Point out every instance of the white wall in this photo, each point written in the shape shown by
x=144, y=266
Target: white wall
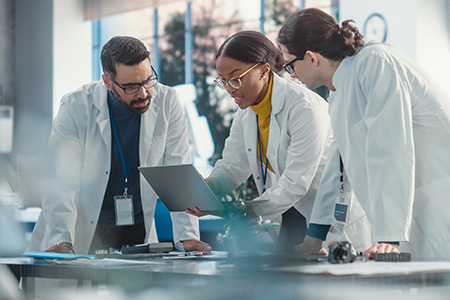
x=417, y=27
x=433, y=39
x=72, y=49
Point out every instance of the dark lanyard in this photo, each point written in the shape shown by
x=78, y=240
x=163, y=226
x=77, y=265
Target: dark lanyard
x=263, y=170
x=126, y=171
x=341, y=168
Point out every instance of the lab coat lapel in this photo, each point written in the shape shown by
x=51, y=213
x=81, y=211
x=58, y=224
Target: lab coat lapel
x=250, y=134
x=274, y=131
x=148, y=124
x=100, y=100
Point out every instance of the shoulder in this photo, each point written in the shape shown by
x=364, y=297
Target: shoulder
x=164, y=92
x=86, y=94
x=374, y=53
x=292, y=94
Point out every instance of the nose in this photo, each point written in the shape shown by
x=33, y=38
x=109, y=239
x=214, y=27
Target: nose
x=143, y=92
x=230, y=89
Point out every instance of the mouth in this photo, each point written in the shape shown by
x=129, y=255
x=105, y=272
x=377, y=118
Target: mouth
x=237, y=99
x=140, y=104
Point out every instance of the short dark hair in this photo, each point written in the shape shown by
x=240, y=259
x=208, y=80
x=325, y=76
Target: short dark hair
x=125, y=50
x=313, y=29
x=252, y=47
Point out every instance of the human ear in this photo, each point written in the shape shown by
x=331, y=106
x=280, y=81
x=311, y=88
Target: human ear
x=265, y=70
x=313, y=57
x=107, y=81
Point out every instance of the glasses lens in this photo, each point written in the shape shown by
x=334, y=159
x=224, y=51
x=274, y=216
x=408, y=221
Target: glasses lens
x=289, y=69
x=151, y=83
x=131, y=89
x=219, y=83
x=235, y=82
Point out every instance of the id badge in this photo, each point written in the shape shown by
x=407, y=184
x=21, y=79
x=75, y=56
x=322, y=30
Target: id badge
x=124, y=210
x=342, y=206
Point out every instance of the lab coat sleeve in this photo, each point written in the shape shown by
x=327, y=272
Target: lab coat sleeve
x=233, y=169
x=310, y=132
x=185, y=226
x=389, y=147
x=323, y=209
x=64, y=162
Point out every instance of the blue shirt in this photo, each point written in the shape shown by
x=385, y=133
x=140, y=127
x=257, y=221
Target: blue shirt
x=127, y=124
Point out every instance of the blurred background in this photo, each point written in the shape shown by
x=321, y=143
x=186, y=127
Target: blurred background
x=51, y=47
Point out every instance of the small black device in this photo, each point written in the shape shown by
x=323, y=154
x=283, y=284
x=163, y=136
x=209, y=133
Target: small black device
x=341, y=252
x=393, y=257
x=148, y=248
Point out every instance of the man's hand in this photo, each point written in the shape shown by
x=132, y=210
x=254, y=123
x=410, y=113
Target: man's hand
x=195, y=245
x=196, y=212
x=380, y=248
x=61, y=248
x=311, y=246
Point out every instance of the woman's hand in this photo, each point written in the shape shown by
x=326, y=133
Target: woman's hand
x=196, y=212
x=311, y=246
x=380, y=248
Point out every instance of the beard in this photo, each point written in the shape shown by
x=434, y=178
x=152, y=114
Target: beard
x=130, y=106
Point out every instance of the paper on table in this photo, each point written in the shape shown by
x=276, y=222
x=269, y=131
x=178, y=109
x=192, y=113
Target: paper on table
x=370, y=268
x=54, y=255
x=104, y=262
x=195, y=255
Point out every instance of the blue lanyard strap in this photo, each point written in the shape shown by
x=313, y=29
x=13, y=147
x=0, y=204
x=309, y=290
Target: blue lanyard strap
x=125, y=169
x=263, y=170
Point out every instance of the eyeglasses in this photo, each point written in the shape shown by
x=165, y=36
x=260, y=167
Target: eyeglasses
x=234, y=82
x=135, y=87
x=288, y=66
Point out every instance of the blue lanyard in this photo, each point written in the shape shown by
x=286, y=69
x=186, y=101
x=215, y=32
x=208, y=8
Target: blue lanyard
x=263, y=170
x=125, y=170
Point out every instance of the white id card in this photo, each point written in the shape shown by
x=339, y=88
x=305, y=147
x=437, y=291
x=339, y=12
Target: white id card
x=341, y=206
x=124, y=210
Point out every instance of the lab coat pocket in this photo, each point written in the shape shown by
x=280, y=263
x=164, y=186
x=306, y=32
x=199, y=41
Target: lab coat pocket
x=431, y=212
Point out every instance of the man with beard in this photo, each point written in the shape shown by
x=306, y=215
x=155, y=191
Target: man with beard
x=102, y=133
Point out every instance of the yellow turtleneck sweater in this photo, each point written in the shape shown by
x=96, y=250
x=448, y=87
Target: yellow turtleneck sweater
x=262, y=110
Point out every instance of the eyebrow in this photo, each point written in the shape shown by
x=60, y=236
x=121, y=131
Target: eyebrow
x=133, y=83
x=229, y=73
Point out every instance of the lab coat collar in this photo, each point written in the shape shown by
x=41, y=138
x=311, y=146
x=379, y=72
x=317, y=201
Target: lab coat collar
x=148, y=120
x=278, y=101
x=148, y=124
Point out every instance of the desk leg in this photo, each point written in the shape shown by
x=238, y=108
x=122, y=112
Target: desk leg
x=29, y=287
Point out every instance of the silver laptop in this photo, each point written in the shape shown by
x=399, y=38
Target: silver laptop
x=180, y=187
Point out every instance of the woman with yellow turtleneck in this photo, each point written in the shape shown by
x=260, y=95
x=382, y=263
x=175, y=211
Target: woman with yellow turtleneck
x=280, y=134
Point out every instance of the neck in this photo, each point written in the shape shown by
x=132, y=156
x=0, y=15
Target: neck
x=264, y=90
x=332, y=67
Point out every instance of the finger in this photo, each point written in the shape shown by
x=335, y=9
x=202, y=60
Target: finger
x=381, y=248
x=370, y=251
x=392, y=249
x=205, y=247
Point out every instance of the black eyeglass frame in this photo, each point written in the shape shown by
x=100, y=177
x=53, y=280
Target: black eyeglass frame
x=288, y=66
x=152, y=80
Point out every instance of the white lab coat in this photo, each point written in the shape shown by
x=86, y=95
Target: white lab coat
x=80, y=144
x=391, y=122
x=299, y=136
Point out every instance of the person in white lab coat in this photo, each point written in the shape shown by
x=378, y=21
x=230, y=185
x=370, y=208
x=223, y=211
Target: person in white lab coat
x=391, y=123
x=102, y=133
x=280, y=134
